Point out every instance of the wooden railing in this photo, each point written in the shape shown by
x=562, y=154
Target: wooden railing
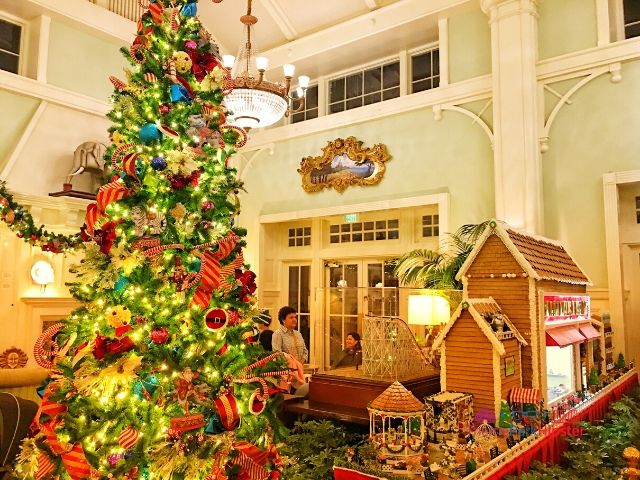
x=130, y=9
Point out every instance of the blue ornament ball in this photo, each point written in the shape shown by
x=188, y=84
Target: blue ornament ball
x=195, y=265
x=121, y=284
x=189, y=9
x=158, y=164
x=149, y=133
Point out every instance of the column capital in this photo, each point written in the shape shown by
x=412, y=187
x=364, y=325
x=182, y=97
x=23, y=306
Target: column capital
x=490, y=7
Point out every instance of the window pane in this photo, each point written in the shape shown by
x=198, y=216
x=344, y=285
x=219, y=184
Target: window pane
x=392, y=223
x=294, y=273
x=381, y=224
x=631, y=11
x=292, y=232
x=436, y=231
x=299, y=232
x=372, y=80
x=357, y=227
x=632, y=31
x=345, y=227
x=436, y=219
x=435, y=62
x=357, y=237
x=305, y=273
x=297, y=117
x=10, y=37
x=368, y=225
x=334, y=239
x=368, y=236
x=307, y=241
x=372, y=98
x=427, y=219
x=419, y=67
x=436, y=82
x=8, y=62
x=381, y=235
x=311, y=114
x=354, y=86
x=312, y=98
x=345, y=238
x=336, y=107
x=393, y=235
x=391, y=75
x=426, y=232
x=421, y=86
x=292, y=242
x=298, y=242
x=336, y=90
x=354, y=103
x=389, y=94
x=637, y=202
x=307, y=230
x=334, y=228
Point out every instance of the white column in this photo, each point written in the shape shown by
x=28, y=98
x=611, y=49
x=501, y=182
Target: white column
x=443, y=46
x=518, y=189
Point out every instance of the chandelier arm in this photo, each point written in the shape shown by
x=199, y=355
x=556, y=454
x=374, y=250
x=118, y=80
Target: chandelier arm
x=300, y=107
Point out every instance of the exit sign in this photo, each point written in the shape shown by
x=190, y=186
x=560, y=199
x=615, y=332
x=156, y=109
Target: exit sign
x=351, y=218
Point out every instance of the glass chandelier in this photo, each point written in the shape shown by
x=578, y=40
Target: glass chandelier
x=255, y=101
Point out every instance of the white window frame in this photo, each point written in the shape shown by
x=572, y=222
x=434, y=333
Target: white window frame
x=418, y=51
x=8, y=18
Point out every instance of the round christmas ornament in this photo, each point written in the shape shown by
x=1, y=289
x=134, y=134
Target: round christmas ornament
x=9, y=216
x=158, y=164
x=3, y=201
x=183, y=61
x=149, y=133
x=228, y=410
x=216, y=318
x=165, y=108
x=257, y=406
x=128, y=438
x=159, y=336
x=208, y=205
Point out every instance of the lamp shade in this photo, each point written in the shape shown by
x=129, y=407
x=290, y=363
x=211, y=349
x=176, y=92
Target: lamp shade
x=428, y=310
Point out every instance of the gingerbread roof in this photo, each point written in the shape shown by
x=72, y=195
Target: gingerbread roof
x=396, y=398
x=541, y=258
x=480, y=308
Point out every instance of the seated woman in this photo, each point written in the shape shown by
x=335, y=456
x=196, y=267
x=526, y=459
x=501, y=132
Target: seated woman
x=351, y=356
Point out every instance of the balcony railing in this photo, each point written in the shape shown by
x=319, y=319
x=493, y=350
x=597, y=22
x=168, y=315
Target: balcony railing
x=130, y=9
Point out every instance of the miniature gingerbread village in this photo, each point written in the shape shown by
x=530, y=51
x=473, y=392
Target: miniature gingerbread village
x=520, y=352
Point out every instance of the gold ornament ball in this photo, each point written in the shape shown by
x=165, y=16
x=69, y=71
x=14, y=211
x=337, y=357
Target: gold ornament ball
x=183, y=61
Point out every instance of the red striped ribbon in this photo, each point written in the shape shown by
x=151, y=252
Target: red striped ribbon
x=76, y=463
x=210, y=270
x=229, y=270
x=251, y=460
x=137, y=49
x=45, y=466
x=153, y=251
x=91, y=216
x=155, y=9
x=110, y=192
x=129, y=164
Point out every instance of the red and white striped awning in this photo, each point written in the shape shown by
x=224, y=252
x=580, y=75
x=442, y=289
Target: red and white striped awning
x=524, y=395
x=563, y=336
x=588, y=331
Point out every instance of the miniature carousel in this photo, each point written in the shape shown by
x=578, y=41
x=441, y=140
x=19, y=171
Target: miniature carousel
x=396, y=425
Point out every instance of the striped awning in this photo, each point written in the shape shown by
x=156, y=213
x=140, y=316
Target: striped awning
x=588, y=331
x=524, y=395
x=563, y=336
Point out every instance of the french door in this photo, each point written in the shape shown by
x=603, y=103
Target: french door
x=353, y=289
x=299, y=297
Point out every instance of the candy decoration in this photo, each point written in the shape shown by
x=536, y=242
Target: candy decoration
x=228, y=410
x=216, y=318
x=43, y=357
x=175, y=20
x=128, y=438
x=150, y=77
x=117, y=83
x=242, y=140
x=137, y=53
x=115, y=156
x=169, y=132
x=257, y=406
x=45, y=466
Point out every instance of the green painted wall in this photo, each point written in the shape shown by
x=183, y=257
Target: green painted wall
x=82, y=62
x=428, y=156
x=469, y=46
x=566, y=26
x=19, y=110
x=596, y=134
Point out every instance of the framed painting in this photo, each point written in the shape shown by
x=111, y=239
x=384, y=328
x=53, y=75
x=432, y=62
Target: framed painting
x=343, y=162
x=509, y=366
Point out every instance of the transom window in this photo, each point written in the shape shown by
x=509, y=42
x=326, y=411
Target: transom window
x=631, y=18
x=425, y=70
x=365, y=87
x=310, y=106
x=300, y=237
x=364, y=231
x=10, y=36
x=638, y=210
x=430, y=225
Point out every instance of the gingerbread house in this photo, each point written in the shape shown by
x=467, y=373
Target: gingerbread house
x=481, y=354
x=542, y=290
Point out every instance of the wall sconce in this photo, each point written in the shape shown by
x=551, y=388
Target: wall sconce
x=42, y=274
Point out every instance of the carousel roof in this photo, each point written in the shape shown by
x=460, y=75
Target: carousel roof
x=398, y=399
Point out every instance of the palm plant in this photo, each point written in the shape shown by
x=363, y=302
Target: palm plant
x=437, y=270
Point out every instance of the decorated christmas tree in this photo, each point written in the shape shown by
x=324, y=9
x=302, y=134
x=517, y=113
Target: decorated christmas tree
x=505, y=420
x=157, y=375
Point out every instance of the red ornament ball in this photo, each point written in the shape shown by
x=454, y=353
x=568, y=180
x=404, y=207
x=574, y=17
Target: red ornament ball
x=128, y=437
x=159, y=336
x=165, y=108
x=208, y=205
x=19, y=234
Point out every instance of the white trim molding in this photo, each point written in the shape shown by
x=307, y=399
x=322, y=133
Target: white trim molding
x=614, y=254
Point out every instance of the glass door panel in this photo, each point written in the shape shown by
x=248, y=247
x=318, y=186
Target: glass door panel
x=382, y=290
x=299, y=298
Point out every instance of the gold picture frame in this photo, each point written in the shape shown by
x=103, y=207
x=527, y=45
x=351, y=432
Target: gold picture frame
x=344, y=162
x=509, y=366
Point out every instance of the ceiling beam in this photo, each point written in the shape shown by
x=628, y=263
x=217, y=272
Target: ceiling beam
x=280, y=17
x=339, y=36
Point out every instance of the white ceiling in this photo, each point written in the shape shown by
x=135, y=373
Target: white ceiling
x=323, y=37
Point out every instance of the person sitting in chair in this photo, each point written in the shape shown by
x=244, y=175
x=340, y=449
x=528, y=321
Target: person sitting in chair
x=351, y=356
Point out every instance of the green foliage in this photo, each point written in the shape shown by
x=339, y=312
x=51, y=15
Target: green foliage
x=598, y=452
x=313, y=447
x=594, y=378
x=431, y=269
x=620, y=363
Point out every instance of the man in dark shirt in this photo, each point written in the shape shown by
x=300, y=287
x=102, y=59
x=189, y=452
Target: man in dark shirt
x=264, y=322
